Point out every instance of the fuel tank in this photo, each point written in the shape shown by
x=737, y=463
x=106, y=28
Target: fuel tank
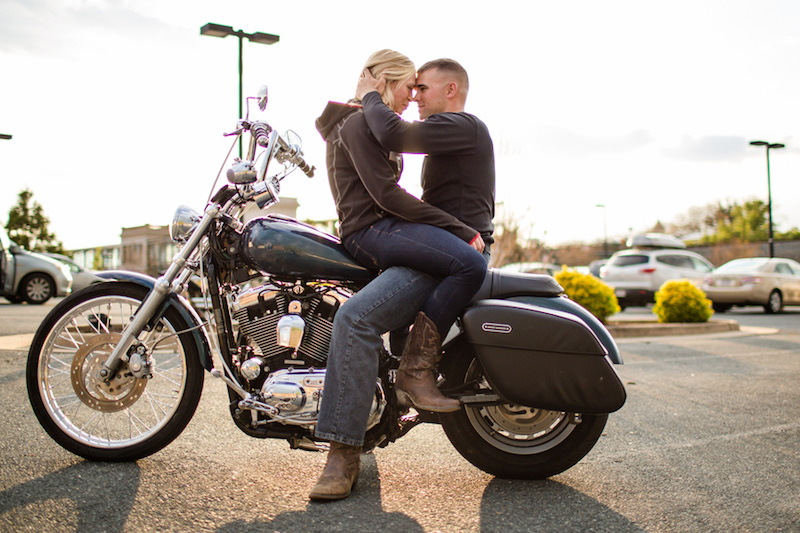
x=286, y=248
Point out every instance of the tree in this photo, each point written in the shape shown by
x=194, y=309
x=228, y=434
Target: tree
x=28, y=227
x=510, y=245
x=726, y=222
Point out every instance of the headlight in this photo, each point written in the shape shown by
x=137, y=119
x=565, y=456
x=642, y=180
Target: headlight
x=66, y=271
x=183, y=224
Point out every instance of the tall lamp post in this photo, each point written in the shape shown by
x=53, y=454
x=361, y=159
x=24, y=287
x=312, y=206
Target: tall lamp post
x=218, y=30
x=770, y=146
x=605, y=232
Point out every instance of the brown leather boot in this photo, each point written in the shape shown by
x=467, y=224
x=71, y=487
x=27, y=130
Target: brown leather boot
x=414, y=384
x=340, y=473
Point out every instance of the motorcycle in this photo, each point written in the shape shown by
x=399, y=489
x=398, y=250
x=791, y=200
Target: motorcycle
x=115, y=371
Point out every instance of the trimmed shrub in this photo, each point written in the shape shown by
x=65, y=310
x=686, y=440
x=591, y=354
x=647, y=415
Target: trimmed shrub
x=585, y=289
x=680, y=301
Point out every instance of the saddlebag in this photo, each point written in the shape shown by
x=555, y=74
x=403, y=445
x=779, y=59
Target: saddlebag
x=543, y=358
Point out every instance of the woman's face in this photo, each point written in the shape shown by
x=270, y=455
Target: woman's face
x=402, y=92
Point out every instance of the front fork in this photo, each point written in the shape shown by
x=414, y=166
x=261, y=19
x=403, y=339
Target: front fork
x=152, y=305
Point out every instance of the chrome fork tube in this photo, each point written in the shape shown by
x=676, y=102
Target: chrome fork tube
x=161, y=290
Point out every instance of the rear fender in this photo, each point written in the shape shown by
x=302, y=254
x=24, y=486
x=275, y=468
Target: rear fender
x=542, y=357
x=179, y=303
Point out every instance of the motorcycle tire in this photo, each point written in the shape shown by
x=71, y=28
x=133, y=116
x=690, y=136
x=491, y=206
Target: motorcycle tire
x=127, y=418
x=513, y=441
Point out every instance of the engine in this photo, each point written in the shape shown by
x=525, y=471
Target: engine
x=305, y=316
x=284, y=333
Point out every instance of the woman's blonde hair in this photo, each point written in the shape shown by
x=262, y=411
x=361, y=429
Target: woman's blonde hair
x=394, y=67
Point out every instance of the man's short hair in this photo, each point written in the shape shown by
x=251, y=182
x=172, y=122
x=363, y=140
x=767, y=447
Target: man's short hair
x=451, y=67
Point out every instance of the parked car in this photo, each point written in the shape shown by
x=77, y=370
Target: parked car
x=771, y=283
x=638, y=273
x=81, y=277
x=28, y=276
x=595, y=266
x=533, y=268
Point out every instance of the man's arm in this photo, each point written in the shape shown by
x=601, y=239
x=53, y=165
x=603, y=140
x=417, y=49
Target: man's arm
x=379, y=180
x=440, y=133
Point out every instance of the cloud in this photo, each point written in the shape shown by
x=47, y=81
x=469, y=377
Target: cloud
x=712, y=148
x=56, y=27
x=562, y=140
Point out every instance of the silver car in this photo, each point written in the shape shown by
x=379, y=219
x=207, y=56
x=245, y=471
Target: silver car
x=28, y=276
x=771, y=283
x=81, y=277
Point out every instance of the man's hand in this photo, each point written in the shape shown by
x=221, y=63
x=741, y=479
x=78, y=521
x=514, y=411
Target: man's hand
x=478, y=244
x=367, y=83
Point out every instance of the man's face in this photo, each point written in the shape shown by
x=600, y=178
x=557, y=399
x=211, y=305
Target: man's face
x=431, y=93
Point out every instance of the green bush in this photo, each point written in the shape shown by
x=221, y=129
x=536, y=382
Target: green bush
x=585, y=289
x=680, y=301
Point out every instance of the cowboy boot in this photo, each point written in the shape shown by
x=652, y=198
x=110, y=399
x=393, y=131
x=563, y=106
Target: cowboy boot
x=414, y=383
x=340, y=473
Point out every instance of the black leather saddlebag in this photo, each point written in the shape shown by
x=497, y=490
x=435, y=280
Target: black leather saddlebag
x=543, y=358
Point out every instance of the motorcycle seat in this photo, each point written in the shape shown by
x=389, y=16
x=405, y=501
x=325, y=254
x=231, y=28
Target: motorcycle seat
x=500, y=284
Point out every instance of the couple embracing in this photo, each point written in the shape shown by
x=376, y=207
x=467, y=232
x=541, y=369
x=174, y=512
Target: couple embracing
x=432, y=253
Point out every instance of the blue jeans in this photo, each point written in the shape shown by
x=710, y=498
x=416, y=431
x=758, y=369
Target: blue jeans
x=395, y=242
x=389, y=302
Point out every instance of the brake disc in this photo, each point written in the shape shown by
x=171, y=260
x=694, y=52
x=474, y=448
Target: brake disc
x=122, y=391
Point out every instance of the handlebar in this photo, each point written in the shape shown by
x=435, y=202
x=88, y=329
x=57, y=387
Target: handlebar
x=293, y=154
x=261, y=131
x=288, y=152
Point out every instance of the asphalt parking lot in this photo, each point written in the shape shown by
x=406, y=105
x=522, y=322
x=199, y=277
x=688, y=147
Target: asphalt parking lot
x=707, y=441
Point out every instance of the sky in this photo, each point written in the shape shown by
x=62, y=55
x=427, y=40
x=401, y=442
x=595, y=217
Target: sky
x=117, y=107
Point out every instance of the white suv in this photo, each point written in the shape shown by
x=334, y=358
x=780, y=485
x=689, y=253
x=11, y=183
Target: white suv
x=638, y=273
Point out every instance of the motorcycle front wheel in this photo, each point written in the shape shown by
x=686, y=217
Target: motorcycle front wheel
x=124, y=418
x=514, y=441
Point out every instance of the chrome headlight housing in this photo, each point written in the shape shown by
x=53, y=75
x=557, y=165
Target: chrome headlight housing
x=183, y=224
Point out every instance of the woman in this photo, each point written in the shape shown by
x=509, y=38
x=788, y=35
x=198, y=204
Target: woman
x=382, y=225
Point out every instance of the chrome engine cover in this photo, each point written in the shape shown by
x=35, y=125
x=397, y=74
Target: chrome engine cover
x=295, y=395
x=266, y=313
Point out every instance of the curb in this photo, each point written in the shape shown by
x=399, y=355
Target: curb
x=651, y=328
x=16, y=342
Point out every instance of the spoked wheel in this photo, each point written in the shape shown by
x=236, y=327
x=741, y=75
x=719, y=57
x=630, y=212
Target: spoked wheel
x=514, y=441
x=126, y=417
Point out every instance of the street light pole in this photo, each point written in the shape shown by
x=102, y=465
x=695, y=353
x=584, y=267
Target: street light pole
x=605, y=232
x=218, y=30
x=773, y=146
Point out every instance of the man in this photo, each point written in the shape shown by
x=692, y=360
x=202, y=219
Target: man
x=458, y=177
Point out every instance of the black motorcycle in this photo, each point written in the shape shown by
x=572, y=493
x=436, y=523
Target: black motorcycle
x=115, y=371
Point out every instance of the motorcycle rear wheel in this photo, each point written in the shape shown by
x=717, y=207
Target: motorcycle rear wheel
x=127, y=418
x=513, y=441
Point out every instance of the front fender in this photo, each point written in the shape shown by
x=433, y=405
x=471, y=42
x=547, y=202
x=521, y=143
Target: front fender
x=177, y=302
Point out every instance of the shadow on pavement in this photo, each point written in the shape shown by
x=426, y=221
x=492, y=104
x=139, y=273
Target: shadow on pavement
x=102, y=495
x=546, y=505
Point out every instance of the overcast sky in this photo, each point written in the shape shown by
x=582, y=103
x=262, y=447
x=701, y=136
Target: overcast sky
x=117, y=108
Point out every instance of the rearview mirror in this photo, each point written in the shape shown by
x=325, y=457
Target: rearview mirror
x=263, y=97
